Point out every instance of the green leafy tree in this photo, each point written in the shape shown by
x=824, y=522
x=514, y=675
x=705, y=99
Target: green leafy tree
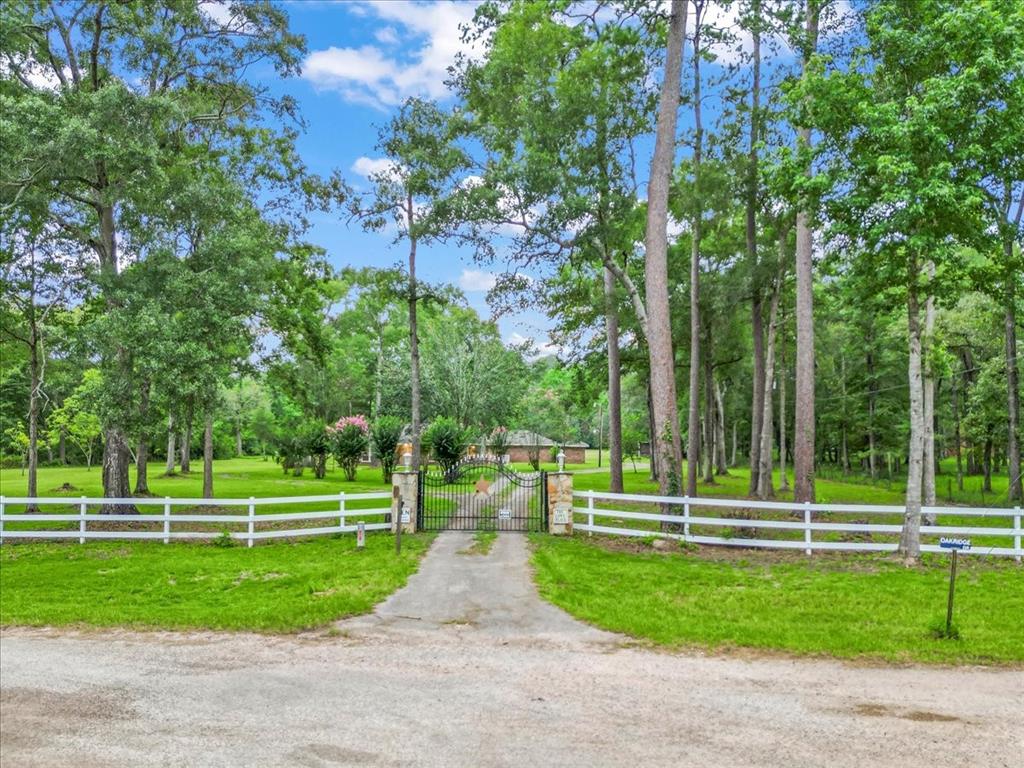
x=446, y=441
x=385, y=437
x=425, y=167
x=78, y=417
x=106, y=103
x=905, y=197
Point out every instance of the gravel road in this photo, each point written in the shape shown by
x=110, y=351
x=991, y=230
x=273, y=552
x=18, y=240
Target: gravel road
x=466, y=666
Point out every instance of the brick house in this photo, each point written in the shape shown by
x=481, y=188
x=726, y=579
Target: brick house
x=522, y=441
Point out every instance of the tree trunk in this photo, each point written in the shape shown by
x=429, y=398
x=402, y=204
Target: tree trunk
x=721, y=465
x=611, y=322
x=986, y=464
x=956, y=435
x=238, y=437
x=756, y=320
x=208, y=455
x=1014, y=490
x=803, y=433
x=844, y=442
x=142, y=454
x=33, y=403
x=116, y=459
x=765, y=488
x=910, y=538
x=414, y=340
x=666, y=447
x=653, y=465
x=872, y=405
x=695, y=238
x=116, y=456
x=781, y=378
x=928, y=388
x=62, y=447
x=171, y=434
x=709, y=410
x=732, y=462
x=186, y=442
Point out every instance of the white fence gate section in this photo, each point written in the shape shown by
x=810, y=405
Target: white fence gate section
x=166, y=524
x=806, y=528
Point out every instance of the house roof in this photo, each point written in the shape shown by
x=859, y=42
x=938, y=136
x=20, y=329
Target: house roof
x=524, y=437
x=521, y=437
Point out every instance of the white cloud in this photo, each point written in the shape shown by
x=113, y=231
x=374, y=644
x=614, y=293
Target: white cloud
x=387, y=35
x=369, y=166
x=675, y=227
x=39, y=76
x=546, y=349
x=475, y=280
x=428, y=32
x=218, y=11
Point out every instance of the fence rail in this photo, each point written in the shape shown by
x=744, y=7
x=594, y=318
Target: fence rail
x=1002, y=540
x=169, y=523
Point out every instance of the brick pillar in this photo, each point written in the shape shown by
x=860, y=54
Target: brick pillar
x=560, y=503
x=404, y=488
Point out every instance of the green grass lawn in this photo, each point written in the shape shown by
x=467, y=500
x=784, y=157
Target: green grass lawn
x=846, y=605
x=232, y=478
x=279, y=587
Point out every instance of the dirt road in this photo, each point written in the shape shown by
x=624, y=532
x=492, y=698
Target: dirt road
x=468, y=667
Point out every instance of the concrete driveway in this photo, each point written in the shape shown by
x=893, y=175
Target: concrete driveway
x=468, y=667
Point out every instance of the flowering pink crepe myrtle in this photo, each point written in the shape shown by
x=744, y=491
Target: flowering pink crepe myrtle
x=356, y=421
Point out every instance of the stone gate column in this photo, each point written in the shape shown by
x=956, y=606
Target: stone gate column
x=404, y=494
x=560, y=503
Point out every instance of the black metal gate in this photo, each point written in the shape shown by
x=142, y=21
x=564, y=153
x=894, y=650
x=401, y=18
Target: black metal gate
x=482, y=495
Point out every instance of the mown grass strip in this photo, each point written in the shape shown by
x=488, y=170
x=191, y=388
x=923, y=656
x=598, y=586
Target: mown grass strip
x=848, y=606
x=279, y=587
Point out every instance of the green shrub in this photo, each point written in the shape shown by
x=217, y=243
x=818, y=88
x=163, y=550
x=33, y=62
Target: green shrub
x=317, y=444
x=291, y=452
x=385, y=437
x=497, y=441
x=446, y=441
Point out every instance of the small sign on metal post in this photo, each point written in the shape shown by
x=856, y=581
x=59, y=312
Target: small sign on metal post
x=954, y=545
x=360, y=535
x=403, y=517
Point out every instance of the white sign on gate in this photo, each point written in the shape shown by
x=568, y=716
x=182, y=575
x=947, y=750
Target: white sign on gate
x=505, y=514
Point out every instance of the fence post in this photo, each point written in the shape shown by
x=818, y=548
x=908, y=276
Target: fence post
x=590, y=513
x=167, y=519
x=686, y=518
x=81, y=521
x=807, y=526
x=341, y=509
x=3, y=507
x=1016, y=527
x=560, y=514
x=252, y=518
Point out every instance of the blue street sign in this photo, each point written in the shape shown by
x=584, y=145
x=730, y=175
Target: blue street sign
x=949, y=543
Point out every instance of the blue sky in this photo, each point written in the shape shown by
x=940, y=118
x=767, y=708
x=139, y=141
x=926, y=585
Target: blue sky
x=364, y=59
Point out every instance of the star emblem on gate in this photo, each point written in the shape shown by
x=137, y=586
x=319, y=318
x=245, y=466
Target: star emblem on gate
x=483, y=485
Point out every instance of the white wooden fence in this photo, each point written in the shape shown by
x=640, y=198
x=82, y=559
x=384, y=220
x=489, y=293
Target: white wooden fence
x=343, y=519
x=807, y=524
